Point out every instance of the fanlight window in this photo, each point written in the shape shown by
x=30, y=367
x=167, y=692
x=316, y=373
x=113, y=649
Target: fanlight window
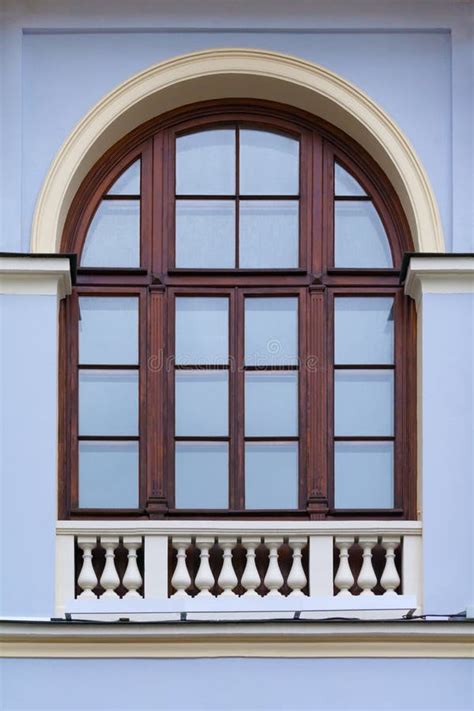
x=237, y=339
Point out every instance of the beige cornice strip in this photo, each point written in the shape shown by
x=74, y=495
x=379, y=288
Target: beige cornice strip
x=402, y=640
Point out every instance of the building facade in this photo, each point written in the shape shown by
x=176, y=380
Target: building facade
x=237, y=312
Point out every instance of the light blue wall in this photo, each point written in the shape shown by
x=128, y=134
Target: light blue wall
x=416, y=95
x=59, y=57
x=233, y=684
x=28, y=436
x=448, y=451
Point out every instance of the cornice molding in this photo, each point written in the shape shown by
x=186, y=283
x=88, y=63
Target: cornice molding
x=233, y=73
x=45, y=275
x=237, y=639
x=439, y=274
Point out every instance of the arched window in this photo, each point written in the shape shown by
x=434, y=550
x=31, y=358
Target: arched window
x=237, y=340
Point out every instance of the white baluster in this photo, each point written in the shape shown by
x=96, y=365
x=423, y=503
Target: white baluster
x=251, y=578
x=181, y=579
x=109, y=579
x=87, y=579
x=297, y=578
x=227, y=579
x=132, y=579
x=273, y=578
x=367, y=579
x=390, y=579
x=204, y=579
x=344, y=579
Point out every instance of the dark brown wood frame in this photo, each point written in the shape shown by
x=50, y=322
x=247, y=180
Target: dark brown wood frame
x=316, y=282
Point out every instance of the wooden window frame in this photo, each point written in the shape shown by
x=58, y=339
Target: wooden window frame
x=316, y=282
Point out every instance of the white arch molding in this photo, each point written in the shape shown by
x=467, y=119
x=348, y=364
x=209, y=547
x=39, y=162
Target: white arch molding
x=232, y=73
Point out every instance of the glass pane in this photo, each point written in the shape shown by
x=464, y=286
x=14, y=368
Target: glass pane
x=108, y=330
x=364, y=475
x=108, y=402
x=271, y=475
x=202, y=403
x=269, y=234
x=269, y=164
x=360, y=239
x=271, y=331
x=113, y=239
x=271, y=404
x=345, y=185
x=202, y=474
x=202, y=330
x=364, y=403
x=205, y=234
x=205, y=163
x=364, y=330
x=108, y=475
x=129, y=182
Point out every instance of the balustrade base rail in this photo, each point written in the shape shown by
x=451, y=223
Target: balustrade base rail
x=121, y=568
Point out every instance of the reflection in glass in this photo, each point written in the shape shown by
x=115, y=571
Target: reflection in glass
x=108, y=330
x=129, y=182
x=108, y=475
x=113, y=239
x=271, y=475
x=271, y=331
x=202, y=403
x=205, y=163
x=364, y=403
x=269, y=163
x=269, y=234
x=345, y=185
x=364, y=330
x=205, y=234
x=108, y=402
x=202, y=330
x=360, y=239
x=364, y=475
x=271, y=404
x=202, y=473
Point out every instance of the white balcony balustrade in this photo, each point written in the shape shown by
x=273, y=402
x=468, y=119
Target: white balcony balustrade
x=185, y=566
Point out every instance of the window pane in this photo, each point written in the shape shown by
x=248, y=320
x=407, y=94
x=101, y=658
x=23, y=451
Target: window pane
x=108, y=330
x=364, y=330
x=129, y=182
x=271, y=331
x=345, y=184
x=202, y=330
x=108, y=402
x=360, y=239
x=205, y=234
x=202, y=473
x=364, y=475
x=202, y=403
x=269, y=164
x=364, y=403
x=271, y=404
x=269, y=234
x=205, y=163
x=271, y=475
x=108, y=475
x=113, y=239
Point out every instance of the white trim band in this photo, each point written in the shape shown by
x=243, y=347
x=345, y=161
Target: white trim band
x=47, y=276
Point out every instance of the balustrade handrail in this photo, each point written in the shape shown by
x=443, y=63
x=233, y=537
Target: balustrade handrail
x=206, y=527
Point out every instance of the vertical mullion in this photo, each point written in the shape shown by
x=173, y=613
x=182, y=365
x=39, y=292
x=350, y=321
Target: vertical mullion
x=153, y=365
x=147, y=205
x=238, y=375
x=399, y=411
x=73, y=347
x=237, y=197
